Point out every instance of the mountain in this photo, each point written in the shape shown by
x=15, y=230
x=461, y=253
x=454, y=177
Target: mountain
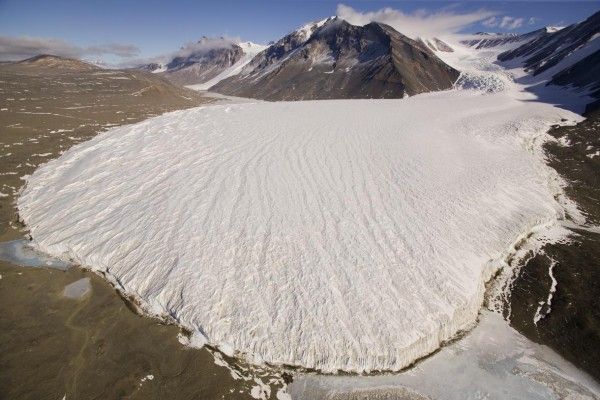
x=249, y=50
x=566, y=57
x=154, y=67
x=204, y=60
x=582, y=74
x=118, y=85
x=334, y=59
x=482, y=40
x=55, y=64
x=207, y=59
x=548, y=50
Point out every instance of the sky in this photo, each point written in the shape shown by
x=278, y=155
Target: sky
x=130, y=30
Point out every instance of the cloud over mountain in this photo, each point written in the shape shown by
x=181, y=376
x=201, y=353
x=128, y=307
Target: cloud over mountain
x=20, y=47
x=420, y=23
x=197, y=49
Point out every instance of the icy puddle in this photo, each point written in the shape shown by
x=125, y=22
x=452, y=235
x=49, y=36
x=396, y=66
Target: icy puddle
x=78, y=289
x=19, y=252
x=491, y=362
x=336, y=235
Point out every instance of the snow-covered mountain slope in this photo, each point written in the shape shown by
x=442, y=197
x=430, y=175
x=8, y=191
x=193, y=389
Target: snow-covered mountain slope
x=548, y=50
x=250, y=50
x=437, y=44
x=482, y=40
x=154, y=67
x=567, y=57
x=584, y=75
x=205, y=61
x=334, y=59
x=339, y=235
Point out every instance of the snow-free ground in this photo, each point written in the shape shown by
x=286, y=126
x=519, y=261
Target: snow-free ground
x=350, y=235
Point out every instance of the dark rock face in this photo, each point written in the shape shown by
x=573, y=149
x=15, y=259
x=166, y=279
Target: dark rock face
x=583, y=74
x=547, y=50
x=198, y=62
x=201, y=66
x=151, y=67
x=333, y=59
x=571, y=324
x=568, y=57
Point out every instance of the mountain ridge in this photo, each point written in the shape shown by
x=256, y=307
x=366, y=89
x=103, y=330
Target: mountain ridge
x=56, y=63
x=204, y=60
x=569, y=57
x=333, y=59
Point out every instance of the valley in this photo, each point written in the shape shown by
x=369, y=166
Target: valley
x=346, y=212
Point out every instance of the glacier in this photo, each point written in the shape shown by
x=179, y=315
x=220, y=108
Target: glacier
x=338, y=235
x=250, y=51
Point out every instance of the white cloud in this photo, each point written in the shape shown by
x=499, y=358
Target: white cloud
x=21, y=47
x=507, y=22
x=491, y=22
x=420, y=23
x=203, y=46
x=511, y=23
x=197, y=49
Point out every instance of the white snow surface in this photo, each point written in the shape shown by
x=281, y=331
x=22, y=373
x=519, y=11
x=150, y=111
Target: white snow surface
x=350, y=235
x=339, y=235
x=306, y=31
x=250, y=50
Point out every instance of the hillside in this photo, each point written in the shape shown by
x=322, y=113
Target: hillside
x=334, y=59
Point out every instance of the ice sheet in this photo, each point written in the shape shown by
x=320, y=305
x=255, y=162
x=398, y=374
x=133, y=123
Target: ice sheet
x=338, y=235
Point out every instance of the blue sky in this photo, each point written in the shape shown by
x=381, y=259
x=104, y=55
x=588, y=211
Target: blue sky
x=154, y=27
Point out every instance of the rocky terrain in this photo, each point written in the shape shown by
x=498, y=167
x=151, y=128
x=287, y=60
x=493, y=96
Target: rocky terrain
x=201, y=62
x=51, y=65
x=334, y=59
x=49, y=103
x=554, y=297
x=558, y=56
x=549, y=49
x=203, y=65
x=570, y=322
x=94, y=346
x=569, y=57
x=584, y=75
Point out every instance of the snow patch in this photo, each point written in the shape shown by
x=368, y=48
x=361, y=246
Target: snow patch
x=544, y=308
x=306, y=31
x=78, y=289
x=250, y=51
x=552, y=29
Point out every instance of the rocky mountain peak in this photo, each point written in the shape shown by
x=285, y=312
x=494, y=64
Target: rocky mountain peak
x=332, y=58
